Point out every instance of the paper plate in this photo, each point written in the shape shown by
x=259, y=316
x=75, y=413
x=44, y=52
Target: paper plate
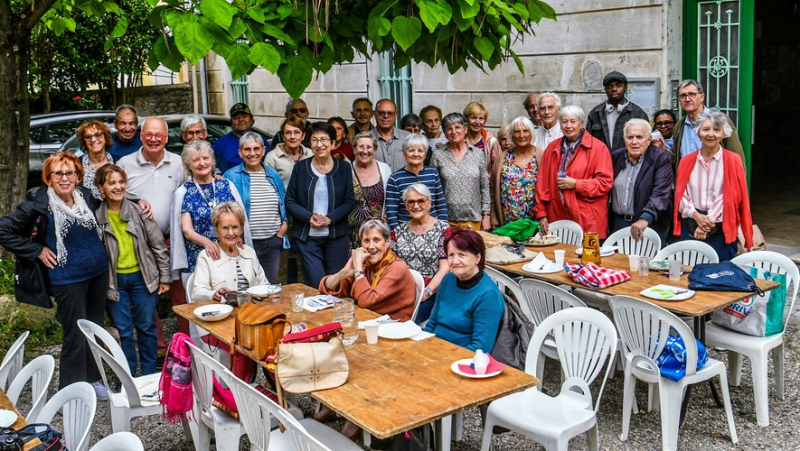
x=540, y=241
x=398, y=331
x=455, y=369
x=262, y=291
x=221, y=312
x=7, y=418
x=667, y=293
x=549, y=268
x=604, y=251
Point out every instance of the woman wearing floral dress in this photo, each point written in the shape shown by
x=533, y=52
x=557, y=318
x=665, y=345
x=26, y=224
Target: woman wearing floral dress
x=95, y=140
x=514, y=178
x=369, y=186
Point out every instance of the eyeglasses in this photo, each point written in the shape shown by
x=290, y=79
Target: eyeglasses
x=195, y=133
x=292, y=133
x=315, y=141
x=420, y=202
x=61, y=174
x=664, y=124
x=153, y=137
x=385, y=113
x=688, y=95
x=97, y=136
x=298, y=110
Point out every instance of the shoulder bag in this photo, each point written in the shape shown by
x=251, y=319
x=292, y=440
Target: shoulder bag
x=259, y=329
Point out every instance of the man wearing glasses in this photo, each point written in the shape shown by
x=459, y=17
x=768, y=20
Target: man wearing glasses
x=390, y=138
x=295, y=107
x=685, y=139
x=126, y=138
x=193, y=127
x=226, y=148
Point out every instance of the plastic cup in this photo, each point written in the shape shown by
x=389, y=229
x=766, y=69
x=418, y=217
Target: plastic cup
x=644, y=266
x=298, y=299
x=675, y=268
x=371, y=327
x=633, y=263
x=560, y=256
x=243, y=298
x=349, y=328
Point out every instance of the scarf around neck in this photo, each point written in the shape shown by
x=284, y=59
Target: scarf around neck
x=374, y=272
x=64, y=217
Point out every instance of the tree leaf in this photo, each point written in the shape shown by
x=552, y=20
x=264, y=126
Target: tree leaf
x=539, y=10
x=434, y=13
x=469, y=9
x=193, y=40
x=256, y=14
x=277, y=33
x=406, y=31
x=237, y=29
x=167, y=54
x=238, y=61
x=219, y=11
x=295, y=73
x=484, y=46
x=117, y=32
x=58, y=25
x=265, y=55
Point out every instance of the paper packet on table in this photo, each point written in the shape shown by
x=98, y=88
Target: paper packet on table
x=319, y=302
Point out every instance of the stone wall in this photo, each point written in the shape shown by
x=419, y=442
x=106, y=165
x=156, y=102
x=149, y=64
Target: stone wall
x=164, y=99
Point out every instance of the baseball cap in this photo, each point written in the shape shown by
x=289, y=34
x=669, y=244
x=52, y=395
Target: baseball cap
x=240, y=108
x=614, y=76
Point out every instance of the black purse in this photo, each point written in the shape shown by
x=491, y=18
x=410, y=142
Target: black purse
x=31, y=279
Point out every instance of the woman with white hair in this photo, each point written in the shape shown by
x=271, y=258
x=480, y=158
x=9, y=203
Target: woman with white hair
x=575, y=177
x=514, y=176
x=711, y=191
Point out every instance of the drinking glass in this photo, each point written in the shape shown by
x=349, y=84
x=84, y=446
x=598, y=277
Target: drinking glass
x=349, y=328
x=243, y=298
x=297, y=301
x=675, y=268
x=644, y=266
x=633, y=263
x=231, y=298
x=343, y=306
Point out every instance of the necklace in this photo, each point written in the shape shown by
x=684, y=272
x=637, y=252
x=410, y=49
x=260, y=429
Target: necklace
x=213, y=202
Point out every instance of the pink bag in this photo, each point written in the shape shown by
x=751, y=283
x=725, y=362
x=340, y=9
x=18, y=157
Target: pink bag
x=176, y=380
x=594, y=276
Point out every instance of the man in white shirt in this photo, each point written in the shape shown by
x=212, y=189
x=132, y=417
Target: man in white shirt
x=549, y=107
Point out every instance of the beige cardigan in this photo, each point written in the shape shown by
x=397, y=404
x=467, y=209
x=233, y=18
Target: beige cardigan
x=211, y=275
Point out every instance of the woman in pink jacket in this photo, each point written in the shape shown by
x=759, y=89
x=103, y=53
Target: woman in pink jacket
x=575, y=177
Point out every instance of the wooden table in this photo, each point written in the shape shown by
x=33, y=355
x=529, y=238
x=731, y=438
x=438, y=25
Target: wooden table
x=6, y=404
x=393, y=386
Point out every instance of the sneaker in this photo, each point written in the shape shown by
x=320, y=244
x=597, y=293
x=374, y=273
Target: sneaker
x=100, y=390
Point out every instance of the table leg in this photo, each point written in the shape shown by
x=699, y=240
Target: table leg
x=458, y=427
x=443, y=429
x=700, y=334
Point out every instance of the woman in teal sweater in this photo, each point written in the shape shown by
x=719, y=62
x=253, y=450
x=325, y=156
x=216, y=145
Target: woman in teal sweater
x=469, y=306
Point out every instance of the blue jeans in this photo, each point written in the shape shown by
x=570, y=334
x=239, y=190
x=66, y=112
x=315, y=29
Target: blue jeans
x=269, y=255
x=136, y=308
x=322, y=256
x=725, y=251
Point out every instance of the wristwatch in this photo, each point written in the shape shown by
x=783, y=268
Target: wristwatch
x=428, y=291
x=357, y=273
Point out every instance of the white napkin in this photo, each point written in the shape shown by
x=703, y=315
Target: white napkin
x=538, y=263
x=422, y=336
x=319, y=302
x=379, y=319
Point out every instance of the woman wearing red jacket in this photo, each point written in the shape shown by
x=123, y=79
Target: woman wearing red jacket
x=711, y=191
x=575, y=177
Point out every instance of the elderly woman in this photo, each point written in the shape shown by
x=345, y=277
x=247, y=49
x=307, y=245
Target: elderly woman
x=575, y=177
x=478, y=136
x=514, y=176
x=469, y=306
x=664, y=123
x=60, y=253
x=369, y=185
x=711, y=191
x=95, y=140
x=504, y=138
x=414, y=150
x=320, y=198
x=138, y=268
x=291, y=151
x=464, y=177
x=263, y=197
x=411, y=123
x=641, y=196
x=341, y=148
x=420, y=243
x=431, y=117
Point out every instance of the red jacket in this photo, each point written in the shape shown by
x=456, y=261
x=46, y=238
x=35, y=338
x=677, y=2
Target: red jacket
x=735, y=202
x=587, y=204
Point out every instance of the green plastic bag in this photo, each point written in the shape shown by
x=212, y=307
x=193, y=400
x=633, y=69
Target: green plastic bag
x=519, y=230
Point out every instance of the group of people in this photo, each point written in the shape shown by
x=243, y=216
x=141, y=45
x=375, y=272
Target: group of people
x=359, y=206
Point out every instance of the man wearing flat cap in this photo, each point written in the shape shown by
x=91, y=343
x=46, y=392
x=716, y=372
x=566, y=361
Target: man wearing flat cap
x=226, y=148
x=607, y=120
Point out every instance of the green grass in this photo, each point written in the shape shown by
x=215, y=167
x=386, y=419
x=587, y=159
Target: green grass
x=7, y=276
x=16, y=318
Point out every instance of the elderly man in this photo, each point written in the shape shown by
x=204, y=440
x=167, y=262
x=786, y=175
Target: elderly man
x=295, y=107
x=607, y=120
x=226, y=148
x=193, y=127
x=685, y=139
x=390, y=138
x=575, y=177
x=642, y=192
x=549, y=108
x=362, y=114
x=153, y=175
x=126, y=139
x=531, y=104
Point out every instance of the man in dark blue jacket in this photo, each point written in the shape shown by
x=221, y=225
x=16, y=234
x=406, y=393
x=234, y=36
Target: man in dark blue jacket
x=607, y=120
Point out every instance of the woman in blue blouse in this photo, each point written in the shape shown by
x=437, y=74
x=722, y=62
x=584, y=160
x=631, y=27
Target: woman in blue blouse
x=469, y=306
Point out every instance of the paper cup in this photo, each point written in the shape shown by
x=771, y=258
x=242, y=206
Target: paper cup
x=633, y=263
x=560, y=256
x=371, y=327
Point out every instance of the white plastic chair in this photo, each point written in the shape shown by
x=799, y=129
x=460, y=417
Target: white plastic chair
x=197, y=333
x=644, y=328
x=78, y=404
x=504, y=282
x=255, y=411
x=568, y=232
x=419, y=283
x=585, y=339
x=757, y=349
x=126, y=403
x=12, y=361
x=121, y=441
x=647, y=246
x=40, y=372
x=689, y=252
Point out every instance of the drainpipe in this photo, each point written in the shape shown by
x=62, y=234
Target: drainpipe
x=203, y=86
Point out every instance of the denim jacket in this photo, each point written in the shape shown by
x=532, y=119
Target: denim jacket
x=241, y=179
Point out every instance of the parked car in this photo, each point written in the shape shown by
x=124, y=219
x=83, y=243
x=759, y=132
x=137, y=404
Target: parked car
x=50, y=130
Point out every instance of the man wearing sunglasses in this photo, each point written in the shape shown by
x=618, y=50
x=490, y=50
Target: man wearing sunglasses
x=226, y=148
x=295, y=107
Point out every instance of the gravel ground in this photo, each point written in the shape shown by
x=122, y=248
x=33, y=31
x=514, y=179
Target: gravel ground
x=704, y=427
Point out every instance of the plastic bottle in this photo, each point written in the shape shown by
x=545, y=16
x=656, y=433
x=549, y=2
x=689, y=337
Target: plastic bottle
x=480, y=361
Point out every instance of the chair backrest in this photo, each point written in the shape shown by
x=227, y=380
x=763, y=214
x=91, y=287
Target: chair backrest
x=189, y=288
x=120, y=441
x=775, y=263
x=541, y=299
x=40, y=372
x=648, y=246
x=300, y=436
x=204, y=367
x=504, y=283
x=419, y=283
x=254, y=411
x=568, y=232
x=585, y=339
x=106, y=351
x=689, y=252
x=12, y=361
x=79, y=404
x=644, y=329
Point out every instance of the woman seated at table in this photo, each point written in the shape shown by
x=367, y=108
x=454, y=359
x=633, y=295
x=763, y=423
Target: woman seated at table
x=469, y=306
x=711, y=191
x=374, y=276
